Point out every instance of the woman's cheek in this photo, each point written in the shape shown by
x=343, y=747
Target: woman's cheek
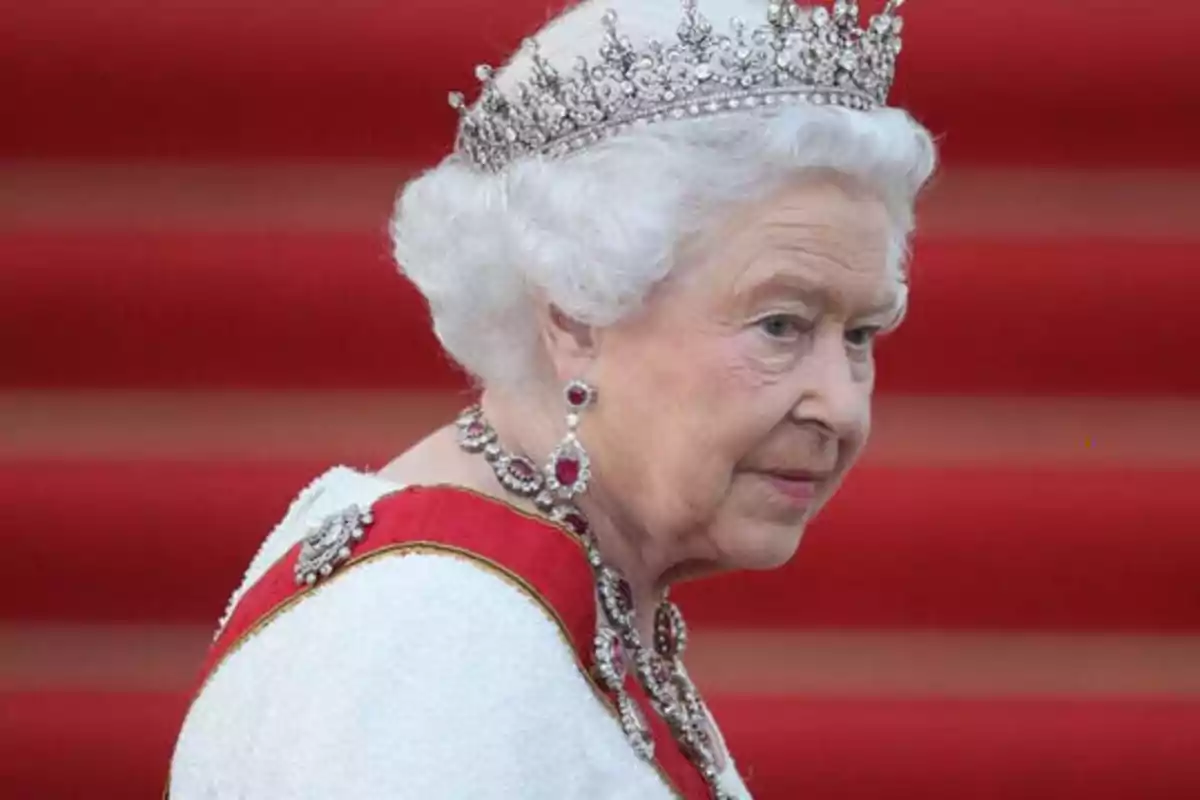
x=863, y=369
x=754, y=362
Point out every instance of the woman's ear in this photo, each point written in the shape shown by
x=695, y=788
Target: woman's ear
x=570, y=344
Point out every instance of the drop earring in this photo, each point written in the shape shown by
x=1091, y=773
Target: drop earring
x=568, y=470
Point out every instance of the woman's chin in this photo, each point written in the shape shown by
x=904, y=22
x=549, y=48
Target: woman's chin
x=762, y=546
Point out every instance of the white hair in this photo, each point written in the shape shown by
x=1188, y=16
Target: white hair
x=593, y=232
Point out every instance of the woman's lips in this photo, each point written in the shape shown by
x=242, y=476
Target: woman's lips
x=800, y=490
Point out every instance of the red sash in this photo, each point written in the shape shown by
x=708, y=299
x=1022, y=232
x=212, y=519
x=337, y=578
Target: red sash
x=540, y=558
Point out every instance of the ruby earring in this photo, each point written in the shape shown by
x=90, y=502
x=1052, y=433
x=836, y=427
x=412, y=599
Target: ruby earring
x=568, y=471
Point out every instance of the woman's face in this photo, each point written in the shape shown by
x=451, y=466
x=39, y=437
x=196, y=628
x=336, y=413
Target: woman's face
x=731, y=405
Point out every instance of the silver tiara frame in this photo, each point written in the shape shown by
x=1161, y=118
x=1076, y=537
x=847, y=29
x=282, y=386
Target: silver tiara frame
x=799, y=55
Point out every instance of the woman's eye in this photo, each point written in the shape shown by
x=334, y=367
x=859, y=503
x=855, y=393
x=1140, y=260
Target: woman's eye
x=862, y=337
x=780, y=326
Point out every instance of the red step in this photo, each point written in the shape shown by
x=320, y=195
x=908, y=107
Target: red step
x=65, y=745
x=898, y=548
x=985, y=749
x=101, y=745
x=325, y=310
x=279, y=79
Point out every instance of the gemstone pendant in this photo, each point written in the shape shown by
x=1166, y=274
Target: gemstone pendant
x=568, y=472
x=670, y=633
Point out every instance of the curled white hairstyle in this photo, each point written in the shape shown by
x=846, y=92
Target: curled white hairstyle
x=594, y=231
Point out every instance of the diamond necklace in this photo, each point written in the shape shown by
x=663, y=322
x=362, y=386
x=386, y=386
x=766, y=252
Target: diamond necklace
x=617, y=644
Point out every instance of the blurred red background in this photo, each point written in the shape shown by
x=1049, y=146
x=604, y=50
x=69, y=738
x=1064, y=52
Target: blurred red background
x=198, y=315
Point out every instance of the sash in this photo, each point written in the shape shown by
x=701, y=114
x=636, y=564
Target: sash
x=538, y=557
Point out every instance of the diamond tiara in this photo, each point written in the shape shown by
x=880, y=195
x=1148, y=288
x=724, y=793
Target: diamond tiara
x=800, y=55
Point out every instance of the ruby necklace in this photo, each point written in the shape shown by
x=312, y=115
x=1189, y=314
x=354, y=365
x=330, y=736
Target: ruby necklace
x=617, y=644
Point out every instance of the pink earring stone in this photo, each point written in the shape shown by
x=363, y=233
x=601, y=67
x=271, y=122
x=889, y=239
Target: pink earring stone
x=578, y=394
x=566, y=470
x=568, y=465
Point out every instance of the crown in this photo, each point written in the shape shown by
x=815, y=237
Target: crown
x=799, y=55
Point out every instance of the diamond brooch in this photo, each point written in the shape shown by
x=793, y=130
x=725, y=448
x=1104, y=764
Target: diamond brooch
x=331, y=543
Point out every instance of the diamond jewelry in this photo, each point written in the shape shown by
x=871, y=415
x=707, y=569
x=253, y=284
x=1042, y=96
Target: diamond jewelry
x=568, y=472
x=618, y=650
x=516, y=473
x=330, y=543
x=819, y=56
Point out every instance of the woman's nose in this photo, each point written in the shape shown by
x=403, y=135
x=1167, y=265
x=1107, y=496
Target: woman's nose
x=832, y=395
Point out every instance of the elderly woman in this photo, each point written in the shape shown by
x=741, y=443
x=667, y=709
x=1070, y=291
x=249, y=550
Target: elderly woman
x=665, y=247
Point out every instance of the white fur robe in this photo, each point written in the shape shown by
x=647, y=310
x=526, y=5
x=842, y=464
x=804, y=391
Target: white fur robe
x=420, y=676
